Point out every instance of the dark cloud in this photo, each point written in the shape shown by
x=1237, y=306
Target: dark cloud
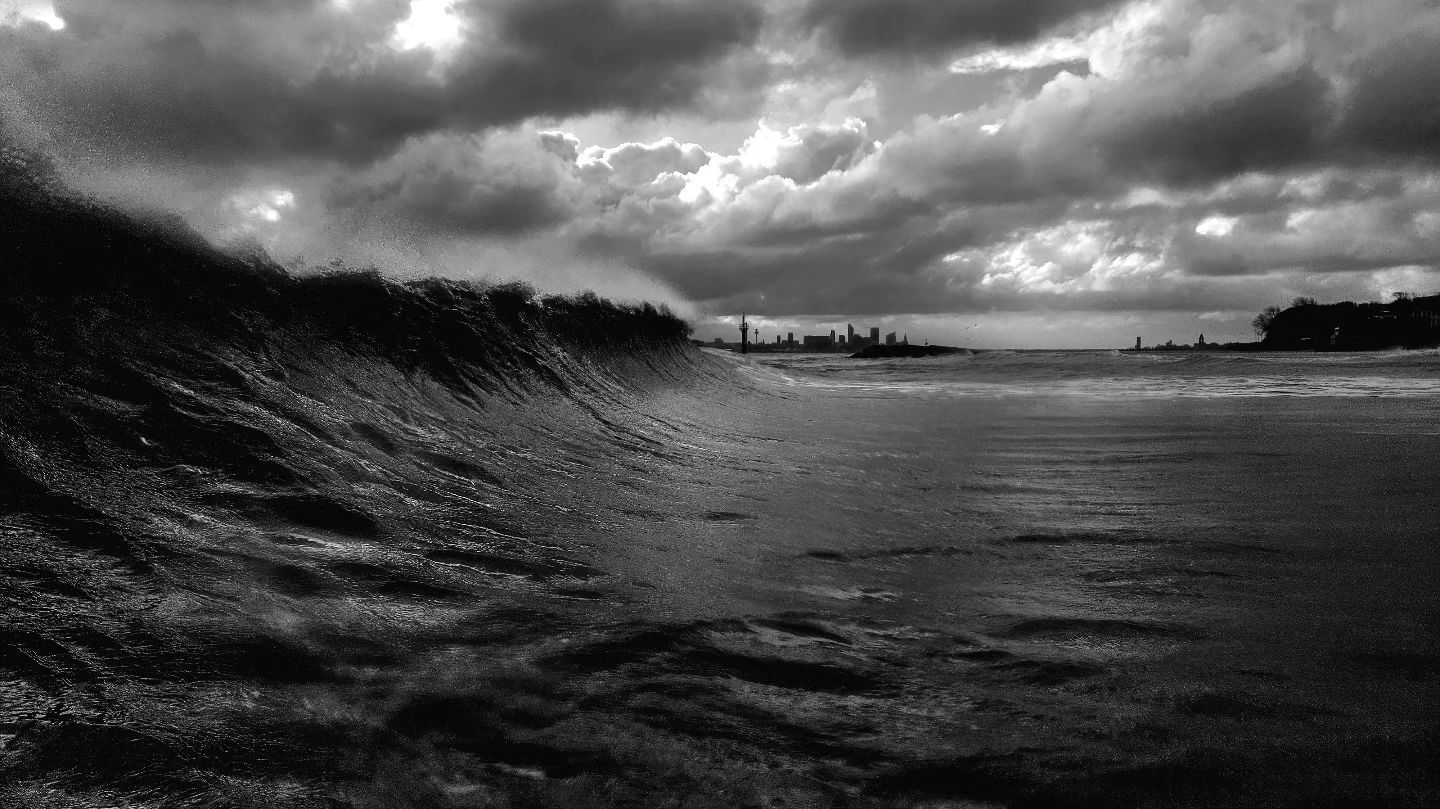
x=824, y=280
x=888, y=263
x=184, y=100
x=242, y=82
x=903, y=27
x=1277, y=124
x=612, y=39
x=634, y=164
x=814, y=152
x=755, y=221
x=258, y=81
x=1393, y=108
x=563, y=57
x=504, y=185
x=1387, y=231
x=1027, y=202
x=1178, y=154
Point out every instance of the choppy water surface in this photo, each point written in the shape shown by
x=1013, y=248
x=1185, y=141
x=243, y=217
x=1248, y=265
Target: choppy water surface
x=341, y=542
x=294, y=573
x=1126, y=374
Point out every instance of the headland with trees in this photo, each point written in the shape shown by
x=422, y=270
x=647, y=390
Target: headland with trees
x=1306, y=324
x=1406, y=321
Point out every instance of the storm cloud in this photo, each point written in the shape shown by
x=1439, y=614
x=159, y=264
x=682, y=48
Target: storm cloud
x=861, y=27
x=258, y=81
x=789, y=159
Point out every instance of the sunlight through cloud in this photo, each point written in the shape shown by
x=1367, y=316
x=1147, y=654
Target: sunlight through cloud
x=1217, y=226
x=432, y=24
x=17, y=12
x=1042, y=54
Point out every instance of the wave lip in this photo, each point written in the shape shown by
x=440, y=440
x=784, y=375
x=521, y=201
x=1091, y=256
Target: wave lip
x=233, y=498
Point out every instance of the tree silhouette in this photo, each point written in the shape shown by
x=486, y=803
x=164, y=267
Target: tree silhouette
x=1262, y=321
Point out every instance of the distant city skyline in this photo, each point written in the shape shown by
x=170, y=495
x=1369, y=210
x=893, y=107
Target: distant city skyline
x=835, y=339
x=1106, y=330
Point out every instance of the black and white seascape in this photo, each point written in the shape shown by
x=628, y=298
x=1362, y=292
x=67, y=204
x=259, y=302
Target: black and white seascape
x=761, y=403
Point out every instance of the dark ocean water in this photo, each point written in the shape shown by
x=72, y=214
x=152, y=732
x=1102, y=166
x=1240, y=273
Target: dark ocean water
x=346, y=543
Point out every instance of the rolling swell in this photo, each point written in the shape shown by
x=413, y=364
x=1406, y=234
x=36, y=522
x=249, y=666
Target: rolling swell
x=252, y=524
x=333, y=541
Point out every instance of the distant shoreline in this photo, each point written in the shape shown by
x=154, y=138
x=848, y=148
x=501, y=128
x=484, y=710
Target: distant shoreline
x=878, y=352
x=1277, y=348
x=1241, y=348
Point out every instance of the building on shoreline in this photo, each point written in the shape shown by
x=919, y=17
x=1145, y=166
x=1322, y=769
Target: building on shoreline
x=848, y=341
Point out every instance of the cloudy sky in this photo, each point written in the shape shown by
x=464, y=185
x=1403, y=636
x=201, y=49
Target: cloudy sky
x=981, y=172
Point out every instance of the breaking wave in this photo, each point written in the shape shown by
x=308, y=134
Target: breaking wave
x=250, y=522
x=330, y=541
